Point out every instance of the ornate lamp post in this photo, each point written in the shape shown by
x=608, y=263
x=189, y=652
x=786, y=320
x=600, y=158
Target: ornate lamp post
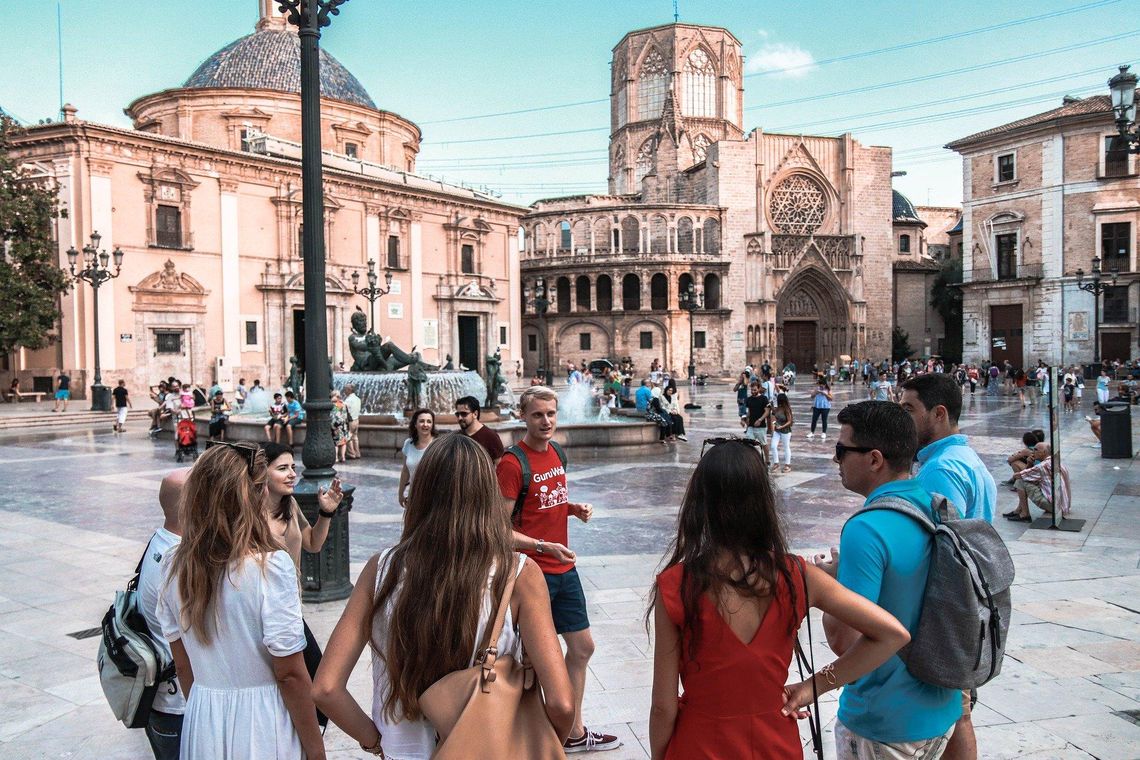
x=95, y=271
x=324, y=576
x=1122, y=89
x=1096, y=287
x=691, y=300
x=372, y=292
x=541, y=306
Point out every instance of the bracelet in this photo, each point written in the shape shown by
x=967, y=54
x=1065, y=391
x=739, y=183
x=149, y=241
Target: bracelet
x=538, y=546
x=375, y=749
x=329, y=515
x=828, y=673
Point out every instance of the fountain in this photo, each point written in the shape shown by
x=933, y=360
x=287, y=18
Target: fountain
x=386, y=393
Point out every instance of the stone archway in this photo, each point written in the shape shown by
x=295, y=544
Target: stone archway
x=812, y=320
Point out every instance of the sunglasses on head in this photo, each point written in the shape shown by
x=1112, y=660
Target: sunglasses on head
x=248, y=451
x=840, y=450
x=731, y=438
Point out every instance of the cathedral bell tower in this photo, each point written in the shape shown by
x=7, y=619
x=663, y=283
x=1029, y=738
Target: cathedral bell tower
x=676, y=89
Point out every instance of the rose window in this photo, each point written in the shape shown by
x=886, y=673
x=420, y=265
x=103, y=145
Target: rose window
x=797, y=205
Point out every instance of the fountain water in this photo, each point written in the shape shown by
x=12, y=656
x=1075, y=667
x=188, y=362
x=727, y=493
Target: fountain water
x=387, y=392
x=257, y=402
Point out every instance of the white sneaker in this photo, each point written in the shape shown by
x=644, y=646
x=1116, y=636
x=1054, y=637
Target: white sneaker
x=823, y=437
x=810, y=436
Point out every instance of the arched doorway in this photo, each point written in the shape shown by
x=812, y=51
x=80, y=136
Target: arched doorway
x=811, y=319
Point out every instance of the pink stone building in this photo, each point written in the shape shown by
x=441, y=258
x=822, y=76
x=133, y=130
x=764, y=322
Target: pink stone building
x=204, y=197
x=789, y=236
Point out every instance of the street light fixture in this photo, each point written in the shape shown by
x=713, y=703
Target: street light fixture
x=1096, y=287
x=95, y=271
x=1122, y=89
x=691, y=300
x=372, y=292
x=541, y=305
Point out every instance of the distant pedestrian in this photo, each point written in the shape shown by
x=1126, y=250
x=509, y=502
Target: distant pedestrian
x=672, y=407
x=122, y=405
x=820, y=407
x=62, y=392
x=1102, y=387
x=240, y=394
x=277, y=416
x=782, y=419
x=421, y=434
x=353, y=403
x=219, y=414
x=741, y=390
x=338, y=422
x=294, y=415
x=757, y=409
x=468, y=414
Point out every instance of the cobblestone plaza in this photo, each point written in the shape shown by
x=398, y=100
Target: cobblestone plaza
x=80, y=503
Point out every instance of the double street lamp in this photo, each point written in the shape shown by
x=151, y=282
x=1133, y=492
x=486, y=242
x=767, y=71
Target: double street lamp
x=96, y=270
x=373, y=293
x=1122, y=89
x=1095, y=286
x=541, y=306
x=691, y=300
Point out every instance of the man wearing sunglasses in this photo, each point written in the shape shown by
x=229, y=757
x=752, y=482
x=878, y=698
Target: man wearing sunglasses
x=885, y=557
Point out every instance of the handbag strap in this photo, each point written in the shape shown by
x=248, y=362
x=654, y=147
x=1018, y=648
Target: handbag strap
x=488, y=652
x=808, y=662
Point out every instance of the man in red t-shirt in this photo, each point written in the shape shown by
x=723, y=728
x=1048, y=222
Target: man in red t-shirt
x=540, y=531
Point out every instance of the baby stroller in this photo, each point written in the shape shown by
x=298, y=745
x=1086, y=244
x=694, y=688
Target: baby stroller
x=186, y=439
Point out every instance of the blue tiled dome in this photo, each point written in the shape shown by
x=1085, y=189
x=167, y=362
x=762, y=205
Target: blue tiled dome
x=270, y=59
x=902, y=210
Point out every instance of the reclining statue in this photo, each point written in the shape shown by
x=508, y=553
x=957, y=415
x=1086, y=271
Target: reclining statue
x=370, y=353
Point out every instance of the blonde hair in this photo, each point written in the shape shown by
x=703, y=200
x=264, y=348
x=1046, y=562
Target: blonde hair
x=536, y=393
x=223, y=522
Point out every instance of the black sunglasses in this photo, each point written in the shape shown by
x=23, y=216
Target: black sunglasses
x=728, y=439
x=247, y=450
x=840, y=450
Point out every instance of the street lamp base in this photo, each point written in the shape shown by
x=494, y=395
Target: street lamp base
x=325, y=577
x=100, y=398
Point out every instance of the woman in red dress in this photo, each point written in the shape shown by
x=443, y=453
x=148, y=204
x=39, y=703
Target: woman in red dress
x=726, y=612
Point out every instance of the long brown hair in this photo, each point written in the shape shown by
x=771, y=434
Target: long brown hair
x=223, y=522
x=729, y=510
x=434, y=579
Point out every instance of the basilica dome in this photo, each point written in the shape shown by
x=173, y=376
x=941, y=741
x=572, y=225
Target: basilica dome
x=270, y=59
x=902, y=210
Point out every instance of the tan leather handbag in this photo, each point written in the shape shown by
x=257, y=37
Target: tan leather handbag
x=493, y=709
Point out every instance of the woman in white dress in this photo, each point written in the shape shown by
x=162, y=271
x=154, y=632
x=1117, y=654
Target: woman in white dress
x=424, y=606
x=421, y=432
x=231, y=610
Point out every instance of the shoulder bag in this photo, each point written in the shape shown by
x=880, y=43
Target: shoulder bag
x=494, y=708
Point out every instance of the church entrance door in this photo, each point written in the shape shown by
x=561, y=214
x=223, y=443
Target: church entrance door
x=469, y=342
x=800, y=344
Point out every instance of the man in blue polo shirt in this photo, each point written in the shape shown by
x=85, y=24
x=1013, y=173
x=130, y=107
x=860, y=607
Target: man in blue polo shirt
x=885, y=557
x=642, y=396
x=948, y=466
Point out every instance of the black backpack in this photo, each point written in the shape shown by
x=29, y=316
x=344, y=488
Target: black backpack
x=518, y=453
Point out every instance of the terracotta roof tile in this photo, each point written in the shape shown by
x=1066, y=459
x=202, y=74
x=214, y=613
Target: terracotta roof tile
x=1082, y=107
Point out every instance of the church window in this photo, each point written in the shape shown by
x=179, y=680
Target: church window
x=699, y=339
x=630, y=235
x=467, y=259
x=502, y=335
x=712, y=291
x=1006, y=246
x=711, y=236
x=617, y=169
x=168, y=226
x=1007, y=167
x=684, y=235
x=798, y=205
x=701, y=148
x=659, y=292
x=350, y=149
x=394, y=252
x=1115, y=304
x=730, y=95
x=582, y=292
x=1115, y=157
x=904, y=243
x=584, y=341
x=645, y=160
x=1116, y=246
x=646, y=339
x=652, y=84
x=699, y=81
x=562, y=295
x=631, y=292
x=564, y=236
x=532, y=343
x=168, y=342
x=605, y=293
x=250, y=340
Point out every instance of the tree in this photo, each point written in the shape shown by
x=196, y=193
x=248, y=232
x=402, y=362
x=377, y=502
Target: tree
x=946, y=299
x=900, y=344
x=30, y=280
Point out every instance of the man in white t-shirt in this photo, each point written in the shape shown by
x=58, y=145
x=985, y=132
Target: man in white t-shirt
x=164, y=730
x=353, y=403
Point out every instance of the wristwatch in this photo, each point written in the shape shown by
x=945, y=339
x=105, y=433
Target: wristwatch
x=375, y=749
x=538, y=546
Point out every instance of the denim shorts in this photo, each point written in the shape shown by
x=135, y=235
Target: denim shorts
x=567, y=601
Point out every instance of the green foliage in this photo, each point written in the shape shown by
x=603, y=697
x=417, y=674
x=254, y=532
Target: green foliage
x=946, y=299
x=30, y=280
x=900, y=344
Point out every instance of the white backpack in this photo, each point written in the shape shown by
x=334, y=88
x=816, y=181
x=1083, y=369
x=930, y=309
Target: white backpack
x=132, y=665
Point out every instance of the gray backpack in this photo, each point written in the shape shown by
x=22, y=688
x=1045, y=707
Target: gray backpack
x=961, y=635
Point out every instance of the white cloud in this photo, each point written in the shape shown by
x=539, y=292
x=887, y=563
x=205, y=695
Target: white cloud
x=786, y=59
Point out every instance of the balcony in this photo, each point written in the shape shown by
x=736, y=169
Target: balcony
x=1014, y=274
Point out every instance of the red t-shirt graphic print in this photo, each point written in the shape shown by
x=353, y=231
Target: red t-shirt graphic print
x=544, y=511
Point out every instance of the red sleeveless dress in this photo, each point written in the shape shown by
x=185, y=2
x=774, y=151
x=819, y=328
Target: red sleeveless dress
x=733, y=692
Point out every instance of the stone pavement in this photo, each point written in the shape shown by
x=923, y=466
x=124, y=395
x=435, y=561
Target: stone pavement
x=79, y=504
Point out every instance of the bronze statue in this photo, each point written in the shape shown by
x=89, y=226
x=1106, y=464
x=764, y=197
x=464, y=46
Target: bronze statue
x=450, y=363
x=370, y=353
x=496, y=382
x=417, y=380
x=295, y=380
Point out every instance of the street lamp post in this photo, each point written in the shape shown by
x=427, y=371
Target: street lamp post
x=1122, y=90
x=372, y=292
x=324, y=576
x=691, y=300
x=96, y=271
x=541, y=306
x=1096, y=287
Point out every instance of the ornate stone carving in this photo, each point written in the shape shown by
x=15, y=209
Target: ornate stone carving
x=800, y=304
x=701, y=148
x=798, y=205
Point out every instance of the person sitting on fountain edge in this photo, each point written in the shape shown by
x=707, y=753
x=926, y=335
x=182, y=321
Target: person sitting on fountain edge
x=467, y=412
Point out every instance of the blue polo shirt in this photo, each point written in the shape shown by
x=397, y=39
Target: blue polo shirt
x=950, y=467
x=641, y=398
x=885, y=557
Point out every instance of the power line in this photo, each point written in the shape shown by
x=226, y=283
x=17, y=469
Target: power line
x=835, y=59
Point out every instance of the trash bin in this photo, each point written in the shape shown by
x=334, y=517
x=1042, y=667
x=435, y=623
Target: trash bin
x=1116, y=431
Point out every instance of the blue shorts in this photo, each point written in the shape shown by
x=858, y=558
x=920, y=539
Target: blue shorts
x=567, y=602
x=294, y=422
x=63, y=395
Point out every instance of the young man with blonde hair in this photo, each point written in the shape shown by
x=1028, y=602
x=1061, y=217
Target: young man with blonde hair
x=532, y=479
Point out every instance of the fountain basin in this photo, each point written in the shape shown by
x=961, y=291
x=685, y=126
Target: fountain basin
x=386, y=393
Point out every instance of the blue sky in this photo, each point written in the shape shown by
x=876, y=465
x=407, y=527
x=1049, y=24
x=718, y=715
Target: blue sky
x=439, y=63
